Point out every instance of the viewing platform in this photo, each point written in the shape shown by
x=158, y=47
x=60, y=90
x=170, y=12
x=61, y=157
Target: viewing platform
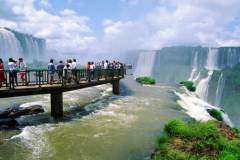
x=38, y=82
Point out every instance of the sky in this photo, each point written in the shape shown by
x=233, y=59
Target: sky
x=80, y=26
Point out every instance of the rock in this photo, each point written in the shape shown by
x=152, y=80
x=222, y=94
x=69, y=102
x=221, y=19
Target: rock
x=9, y=122
x=16, y=112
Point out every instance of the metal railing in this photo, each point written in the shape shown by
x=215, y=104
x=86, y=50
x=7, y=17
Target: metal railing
x=40, y=77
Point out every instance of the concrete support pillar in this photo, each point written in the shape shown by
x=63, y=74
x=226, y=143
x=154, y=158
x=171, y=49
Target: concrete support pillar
x=115, y=87
x=57, y=105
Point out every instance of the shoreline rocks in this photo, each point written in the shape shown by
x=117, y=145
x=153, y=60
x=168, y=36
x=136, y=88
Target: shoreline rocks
x=8, y=116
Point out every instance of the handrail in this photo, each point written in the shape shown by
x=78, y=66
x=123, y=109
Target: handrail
x=40, y=77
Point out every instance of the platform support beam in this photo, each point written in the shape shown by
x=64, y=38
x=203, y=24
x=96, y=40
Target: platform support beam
x=115, y=87
x=57, y=104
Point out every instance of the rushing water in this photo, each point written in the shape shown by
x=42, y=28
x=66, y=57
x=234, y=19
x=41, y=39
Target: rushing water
x=219, y=91
x=194, y=67
x=145, y=63
x=9, y=45
x=114, y=127
x=14, y=44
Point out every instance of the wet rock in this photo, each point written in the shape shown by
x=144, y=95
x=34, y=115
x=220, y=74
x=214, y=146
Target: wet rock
x=15, y=112
x=9, y=122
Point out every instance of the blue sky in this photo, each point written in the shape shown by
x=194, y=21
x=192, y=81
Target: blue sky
x=80, y=26
x=99, y=10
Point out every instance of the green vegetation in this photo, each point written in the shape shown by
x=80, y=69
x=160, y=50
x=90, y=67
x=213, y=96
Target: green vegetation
x=215, y=114
x=198, y=140
x=146, y=80
x=189, y=85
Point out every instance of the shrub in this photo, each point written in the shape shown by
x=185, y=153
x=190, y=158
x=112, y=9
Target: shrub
x=146, y=80
x=190, y=130
x=215, y=114
x=189, y=85
x=198, y=141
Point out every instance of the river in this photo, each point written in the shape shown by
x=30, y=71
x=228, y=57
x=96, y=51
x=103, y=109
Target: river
x=97, y=124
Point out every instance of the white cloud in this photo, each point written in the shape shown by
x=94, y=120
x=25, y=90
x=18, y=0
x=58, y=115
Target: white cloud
x=131, y=2
x=66, y=32
x=45, y=3
x=174, y=22
x=171, y=22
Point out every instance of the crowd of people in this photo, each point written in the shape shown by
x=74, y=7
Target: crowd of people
x=14, y=67
x=68, y=71
x=65, y=70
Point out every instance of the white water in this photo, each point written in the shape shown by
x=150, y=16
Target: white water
x=145, y=64
x=232, y=57
x=196, y=104
x=212, y=59
x=15, y=45
x=203, y=85
x=211, y=65
x=219, y=91
x=9, y=45
x=195, y=67
x=197, y=108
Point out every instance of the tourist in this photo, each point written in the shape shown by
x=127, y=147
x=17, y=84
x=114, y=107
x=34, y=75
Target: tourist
x=51, y=71
x=2, y=75
x=92, y=67
x=106, y=65
x=23, y=69
x=12, y=72
x=74, y=70
x=60, y=67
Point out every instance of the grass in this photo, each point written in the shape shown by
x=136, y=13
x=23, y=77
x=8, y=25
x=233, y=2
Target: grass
x=215, y=114
x=146, y=80
x=194, y=140
x=189, y=85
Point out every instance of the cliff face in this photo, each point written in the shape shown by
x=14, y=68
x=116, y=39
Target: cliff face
x=214, y=71
x=15, y=44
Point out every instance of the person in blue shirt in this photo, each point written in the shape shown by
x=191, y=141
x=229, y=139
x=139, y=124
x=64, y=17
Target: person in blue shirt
x=51, y=71
x=60, y=67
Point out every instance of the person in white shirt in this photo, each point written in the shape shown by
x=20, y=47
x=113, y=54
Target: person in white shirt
x=12, y=72
x=106, y=64
x=74, y=70
x=23, y=68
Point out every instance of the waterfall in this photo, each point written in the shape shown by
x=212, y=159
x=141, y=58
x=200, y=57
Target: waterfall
x=212, y=59
x=219, y=91
x=9, y=45
x=145, y=63
x=202, y=87
x=232, y=57
x=14, y=44
x=211, y=65
x=194, y=67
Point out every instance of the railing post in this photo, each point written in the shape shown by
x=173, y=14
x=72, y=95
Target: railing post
x=39, y=78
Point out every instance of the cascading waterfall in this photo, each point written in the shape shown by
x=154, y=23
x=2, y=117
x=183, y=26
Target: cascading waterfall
x=202, y=87
x=197, y=107
x=9, y=44
x=145, y=63
x=195, y=67
x=232, y=57
x=219, y=91
x=211, y=65
x=14, y=44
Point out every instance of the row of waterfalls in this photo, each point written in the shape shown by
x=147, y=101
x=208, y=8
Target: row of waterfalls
x=204, y=66
x=14, y=44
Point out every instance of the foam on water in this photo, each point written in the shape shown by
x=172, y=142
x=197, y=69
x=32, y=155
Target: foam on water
x=197, y=108
x=33, y=138
x=25, y=105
